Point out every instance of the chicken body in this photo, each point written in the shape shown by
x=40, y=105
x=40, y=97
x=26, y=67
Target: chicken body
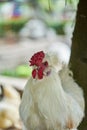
x=53, y=103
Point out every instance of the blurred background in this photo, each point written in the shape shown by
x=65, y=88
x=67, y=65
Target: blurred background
x=28, y=26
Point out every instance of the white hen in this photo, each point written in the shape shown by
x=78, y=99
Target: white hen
x=51, y=100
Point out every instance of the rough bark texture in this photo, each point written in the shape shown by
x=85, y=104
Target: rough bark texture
x=78, y=60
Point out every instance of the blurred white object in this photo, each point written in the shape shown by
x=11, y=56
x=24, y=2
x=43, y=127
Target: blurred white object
x=35, y=29
x=51, y=34
x=9, y=104
x=62, y=50
x=7, y=10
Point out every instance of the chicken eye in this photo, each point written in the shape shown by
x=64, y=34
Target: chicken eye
x=46, y=63
x=1, y=92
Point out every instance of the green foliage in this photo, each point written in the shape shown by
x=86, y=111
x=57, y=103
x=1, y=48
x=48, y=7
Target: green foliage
x=58, y=27
x=48, y=10
x=72, y=2
x=21, y=71
x=14, y=25
x=52, y=4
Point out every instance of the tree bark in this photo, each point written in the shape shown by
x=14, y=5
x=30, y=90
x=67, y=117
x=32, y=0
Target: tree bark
x=78, y=60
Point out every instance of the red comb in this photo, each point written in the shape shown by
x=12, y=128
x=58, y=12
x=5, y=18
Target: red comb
x=37, y=60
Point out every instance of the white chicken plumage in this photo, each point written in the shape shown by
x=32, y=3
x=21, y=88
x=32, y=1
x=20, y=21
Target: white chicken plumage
x=55, y=102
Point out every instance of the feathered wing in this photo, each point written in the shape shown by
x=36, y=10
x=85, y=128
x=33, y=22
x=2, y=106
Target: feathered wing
x=74, y=95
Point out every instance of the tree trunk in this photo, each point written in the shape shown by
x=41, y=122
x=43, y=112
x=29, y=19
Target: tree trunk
x=78, y=60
